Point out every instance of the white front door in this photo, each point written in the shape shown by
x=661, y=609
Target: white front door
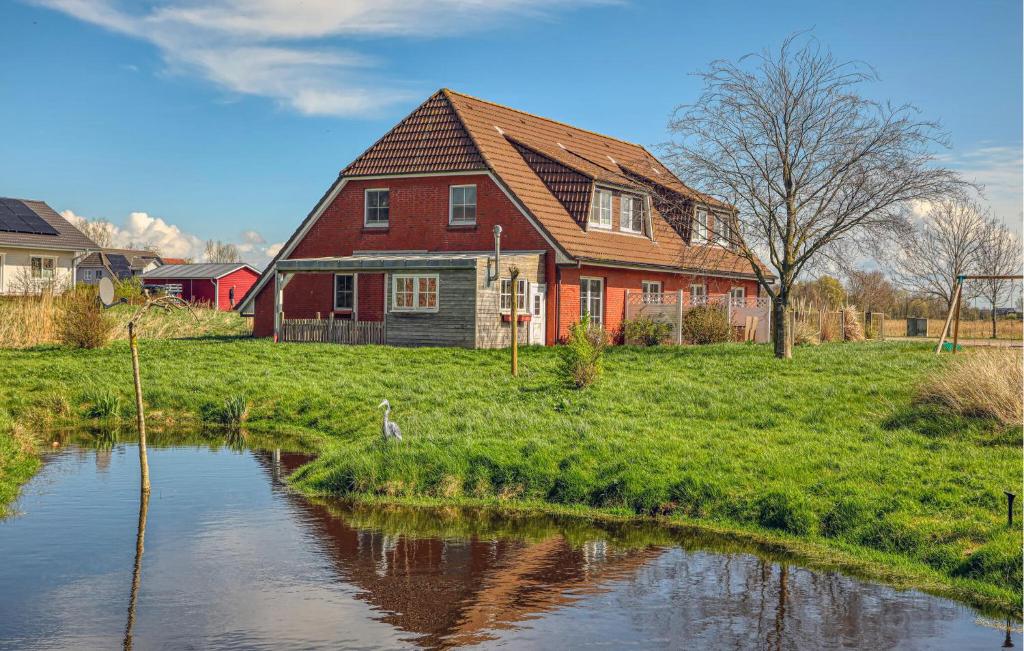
x=538, y=309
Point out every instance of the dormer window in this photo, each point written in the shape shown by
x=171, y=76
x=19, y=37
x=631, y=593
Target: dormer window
x=723, y=230
x=700, y=227
x=601, y=209
x=631, y=210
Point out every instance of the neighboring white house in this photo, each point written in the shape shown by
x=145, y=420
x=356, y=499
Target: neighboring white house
x=38, y=248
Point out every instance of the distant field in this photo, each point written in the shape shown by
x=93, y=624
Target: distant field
x=27, y=321
x=828, y=449
x=1005, y=328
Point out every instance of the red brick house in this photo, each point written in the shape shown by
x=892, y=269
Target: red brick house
x=405, y=234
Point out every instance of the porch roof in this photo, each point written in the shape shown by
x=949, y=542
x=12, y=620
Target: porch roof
x=390, y=261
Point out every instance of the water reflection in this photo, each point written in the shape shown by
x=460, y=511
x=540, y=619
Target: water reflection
x=235, y=560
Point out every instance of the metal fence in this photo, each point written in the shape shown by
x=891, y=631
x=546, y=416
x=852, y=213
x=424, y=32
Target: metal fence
x=333, y=331
x=750, y=318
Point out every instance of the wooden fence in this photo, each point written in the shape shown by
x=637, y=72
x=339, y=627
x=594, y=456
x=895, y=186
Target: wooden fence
x=333, y=331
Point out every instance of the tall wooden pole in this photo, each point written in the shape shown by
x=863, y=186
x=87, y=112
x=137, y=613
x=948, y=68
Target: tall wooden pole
x=133, y=343
x=514, y=274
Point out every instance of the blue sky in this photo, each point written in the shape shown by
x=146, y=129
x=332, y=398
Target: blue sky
x=182, y=120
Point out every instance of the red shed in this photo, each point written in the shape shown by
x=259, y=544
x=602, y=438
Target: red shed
x=223, y=283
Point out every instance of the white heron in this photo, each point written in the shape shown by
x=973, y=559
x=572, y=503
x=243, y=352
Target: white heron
x=389, y=428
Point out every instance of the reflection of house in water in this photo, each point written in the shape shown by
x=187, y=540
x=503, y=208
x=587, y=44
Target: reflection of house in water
x=704, y=593
x=448, y=592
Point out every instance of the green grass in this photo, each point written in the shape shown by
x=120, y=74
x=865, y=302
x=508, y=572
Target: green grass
x=18, y=461
x=824, y=454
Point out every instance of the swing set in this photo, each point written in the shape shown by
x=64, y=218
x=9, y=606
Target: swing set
x=954, y=310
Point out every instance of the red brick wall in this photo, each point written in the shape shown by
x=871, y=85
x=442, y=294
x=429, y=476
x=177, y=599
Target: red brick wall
x=418, y=220
x=617, y=281
x=371, y=297
x=241, y=280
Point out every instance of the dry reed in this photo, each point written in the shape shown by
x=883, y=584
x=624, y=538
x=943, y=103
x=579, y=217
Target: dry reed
x=987, y=383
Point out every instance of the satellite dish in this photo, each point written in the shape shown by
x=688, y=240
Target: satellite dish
x=106, y=291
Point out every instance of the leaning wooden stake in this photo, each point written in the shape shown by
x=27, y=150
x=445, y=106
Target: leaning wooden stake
x=949, y=317
x=133, y=343
x=514, y=273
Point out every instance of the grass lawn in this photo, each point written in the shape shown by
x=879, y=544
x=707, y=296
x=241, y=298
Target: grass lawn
x=825, y=454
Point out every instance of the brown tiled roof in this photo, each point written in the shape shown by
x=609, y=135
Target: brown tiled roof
x=68, y=237
x=430, y=139
x=569, y=186
x=495, y=129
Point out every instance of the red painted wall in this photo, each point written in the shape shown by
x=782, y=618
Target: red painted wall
x=617, y=281
x=193, y=290
x=241, y=279
x=418, y=221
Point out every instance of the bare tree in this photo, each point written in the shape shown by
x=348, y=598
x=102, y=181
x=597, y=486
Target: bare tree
x=999, y=254
x=99, y=231
x=871, y=290
x=217, y=251
x=929, y=255
x=786, y=138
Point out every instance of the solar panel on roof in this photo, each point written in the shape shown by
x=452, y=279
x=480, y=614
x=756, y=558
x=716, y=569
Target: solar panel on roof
x=16, y=217
x=119, y=265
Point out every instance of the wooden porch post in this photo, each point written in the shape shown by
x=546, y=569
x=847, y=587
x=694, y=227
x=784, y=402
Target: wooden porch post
x=278, y=303
x=679, y=317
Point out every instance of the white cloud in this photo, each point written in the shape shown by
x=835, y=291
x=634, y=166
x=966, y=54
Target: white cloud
x=140, y=230
x=1001, y=170
x=276, y=48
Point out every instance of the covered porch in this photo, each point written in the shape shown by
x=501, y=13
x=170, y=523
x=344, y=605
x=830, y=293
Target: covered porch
x=403, y=299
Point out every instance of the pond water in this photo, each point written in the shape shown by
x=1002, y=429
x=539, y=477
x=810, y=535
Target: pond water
x=234, y=560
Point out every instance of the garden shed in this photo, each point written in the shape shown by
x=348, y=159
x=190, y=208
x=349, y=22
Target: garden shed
x=219, y=284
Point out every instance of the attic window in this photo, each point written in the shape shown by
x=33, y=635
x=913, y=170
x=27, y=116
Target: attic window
x=631, y=214
x=700, y=228
x=462, y=205
x=601, y=209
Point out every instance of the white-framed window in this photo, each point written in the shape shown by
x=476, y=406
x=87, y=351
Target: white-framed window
x=700, y=227
x=592, y=299
x=43, y=267
x=601, y=209
x=537, y=304
x=414, y=293
x=344, y=292
x=506, y=295
x=631, y=214
x=462, y=205
x=738, y=295
x=652, y=291
x=722, y=230
x=377, y=212
x=698, y=294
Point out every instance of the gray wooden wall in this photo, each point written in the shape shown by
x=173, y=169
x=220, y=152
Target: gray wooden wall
x=452, y=325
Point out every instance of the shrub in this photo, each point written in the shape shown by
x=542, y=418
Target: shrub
x=706, y=324
x=785, y=511
x=804, y=333
x=582, y=353
x=985, y=383
x=852, y=330
x=129, y=289
x=103, y=403
x=646, y=331
x=82, y=322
